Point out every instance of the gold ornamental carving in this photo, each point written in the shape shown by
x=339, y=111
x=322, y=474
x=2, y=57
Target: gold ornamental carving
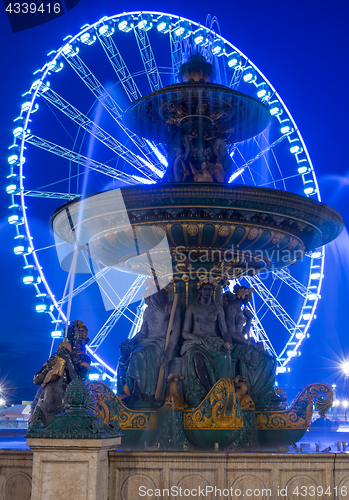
x=217, y=411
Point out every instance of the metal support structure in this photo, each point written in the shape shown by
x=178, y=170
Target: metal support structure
x=275, y=307
x=176, y=54
x=122, y=72
x=117, y=313
x=112, y=107
x=148, y=59
x=51, y=195
x=83, y=121
x=138, y=320
x=285, y=276
x=80, y=159
x=84, y=285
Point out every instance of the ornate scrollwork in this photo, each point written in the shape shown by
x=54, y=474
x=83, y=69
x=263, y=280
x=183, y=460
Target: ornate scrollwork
x=219, y=409
x=109, y=407
x=298, y=416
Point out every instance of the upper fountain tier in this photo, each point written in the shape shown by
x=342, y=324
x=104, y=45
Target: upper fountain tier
x=198, y=105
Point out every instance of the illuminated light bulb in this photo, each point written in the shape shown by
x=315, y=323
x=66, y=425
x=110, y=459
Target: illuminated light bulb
x=309, y=190
x=68, y=50
x=249, y=75
x=106, y=30
x=303, y=169
x=93, y=376
x=164, y=24
x=12, y=189
x=286, y=127
x=126, y=24
x=234, y=60
x=57, y=334
x=316, y=255
x=263, y=91
x=88, y=38
x=55, y=66
x=312, y=296
x=145, y=22
x=218, y=48
x=19, y=250
x=315, y=276
x=182, y=29
x=12, y=159
x=296, y=146
x=306, y=316
x=275, y=108
x=200, y=37
x=17, y=132
x=281, y=369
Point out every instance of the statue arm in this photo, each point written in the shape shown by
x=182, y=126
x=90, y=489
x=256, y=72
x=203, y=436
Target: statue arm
x=65, y=354
x=236, y=337
x=248, y=316
x=223, y=325
x=143, y=332
x=39, y=377
x=188, y=324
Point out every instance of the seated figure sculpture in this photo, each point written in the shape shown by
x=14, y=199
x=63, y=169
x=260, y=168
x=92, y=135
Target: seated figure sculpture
x=254, y=364
x=206, y=347
x=142, y=356
x=67, y=364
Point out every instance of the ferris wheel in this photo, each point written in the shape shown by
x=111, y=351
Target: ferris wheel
x=71, y=123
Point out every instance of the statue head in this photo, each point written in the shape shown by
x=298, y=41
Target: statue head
x=158, y=299
x=207, y=287
x=243, y=293
x=77, y=335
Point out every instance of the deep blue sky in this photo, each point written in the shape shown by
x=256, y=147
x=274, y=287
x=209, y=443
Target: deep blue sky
x=302, y=49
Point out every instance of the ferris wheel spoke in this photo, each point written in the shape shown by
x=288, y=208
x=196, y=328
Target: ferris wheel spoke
x=83, y=121
x=122, y=72
x=258, y=332
x=51, y=195
x=81, y=160
x=276, y=308
x=112, y=107
x=84, y=285
x=176, y=53
x=148, y=59
x=285, y=276
x=117, y=313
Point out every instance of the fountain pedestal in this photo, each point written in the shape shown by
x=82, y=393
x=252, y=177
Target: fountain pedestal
x=71, y=468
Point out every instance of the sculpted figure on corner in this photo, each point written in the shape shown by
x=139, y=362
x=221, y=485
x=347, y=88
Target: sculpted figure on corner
x=68, y=363
x=141, y=357
x=253, y=363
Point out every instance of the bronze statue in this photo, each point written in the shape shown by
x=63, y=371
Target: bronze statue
x=68, y=363
x=139, y=366
x=206, y=347
x=254, y=364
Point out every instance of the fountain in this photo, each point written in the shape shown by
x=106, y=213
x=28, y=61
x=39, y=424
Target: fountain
x=191, y=234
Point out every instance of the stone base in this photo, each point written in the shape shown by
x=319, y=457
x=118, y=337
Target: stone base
x=75, y=469
x=263, y=476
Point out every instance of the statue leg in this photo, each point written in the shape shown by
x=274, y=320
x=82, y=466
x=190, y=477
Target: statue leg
x=201, y=371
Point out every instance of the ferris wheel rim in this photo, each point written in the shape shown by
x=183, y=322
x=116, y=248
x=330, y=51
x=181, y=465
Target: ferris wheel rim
x=46, y=71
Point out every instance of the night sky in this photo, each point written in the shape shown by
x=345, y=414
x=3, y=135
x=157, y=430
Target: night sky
x=302, y=48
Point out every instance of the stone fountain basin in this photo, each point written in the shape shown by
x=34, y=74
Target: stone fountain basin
x=272, y=228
